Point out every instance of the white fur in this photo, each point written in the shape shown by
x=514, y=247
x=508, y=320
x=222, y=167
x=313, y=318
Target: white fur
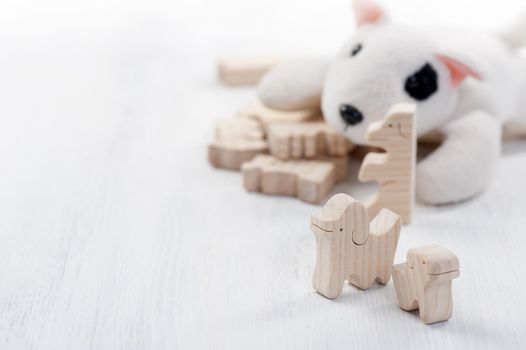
x=471, y=114
x=304, y=77
x=462, y=166
x=515, y=35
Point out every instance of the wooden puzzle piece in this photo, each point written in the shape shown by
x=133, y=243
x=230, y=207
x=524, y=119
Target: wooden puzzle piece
x=308, y=180
x=513, y=130
x=240, y=128
x=302, y=140
x=394, y=170
x=243, y=71
x=237, y=140
x=350, y=248
x=424, y=282
x=267, y=116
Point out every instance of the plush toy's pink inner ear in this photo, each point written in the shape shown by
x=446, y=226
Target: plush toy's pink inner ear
x=458, y=70
x=367, y=12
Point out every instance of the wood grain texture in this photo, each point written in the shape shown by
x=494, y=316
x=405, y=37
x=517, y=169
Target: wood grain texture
x=349, y=248
x=117, y=234
x=237, y=140
x=424, y=282
x=306, y=140
x=308, y=180
x=513, y=130
x=394, y=170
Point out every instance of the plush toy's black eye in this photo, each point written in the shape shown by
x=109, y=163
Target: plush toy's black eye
x=357, y=48
x=423, y=83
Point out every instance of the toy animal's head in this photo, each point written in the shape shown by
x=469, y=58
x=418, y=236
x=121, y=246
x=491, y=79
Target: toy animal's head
x=342, y=214
x=395, y=126
x=384, y=64
x=433, y=261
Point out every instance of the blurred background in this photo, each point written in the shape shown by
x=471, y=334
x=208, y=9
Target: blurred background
x=111, y=224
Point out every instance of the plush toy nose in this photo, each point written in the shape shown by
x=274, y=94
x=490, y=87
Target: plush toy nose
x=350, y=114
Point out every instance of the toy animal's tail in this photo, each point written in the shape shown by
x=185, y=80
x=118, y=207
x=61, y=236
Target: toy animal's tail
x=515, y=34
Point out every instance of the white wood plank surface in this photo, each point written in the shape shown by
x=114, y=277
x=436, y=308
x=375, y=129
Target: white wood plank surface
x=115, y=233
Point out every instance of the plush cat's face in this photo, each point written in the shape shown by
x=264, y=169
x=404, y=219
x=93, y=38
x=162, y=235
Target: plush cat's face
x=385, y=64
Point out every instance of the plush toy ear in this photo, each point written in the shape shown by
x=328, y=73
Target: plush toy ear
x=458, y=70
x=367, y=12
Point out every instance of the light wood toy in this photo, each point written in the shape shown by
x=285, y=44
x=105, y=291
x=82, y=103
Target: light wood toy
x=308, y=180
x=243, y=71
x=513, y=130
x=394, y=170
x=424, y=282
x=267, y=116
x=237, y=140
x=299, y=140
x=350, y=248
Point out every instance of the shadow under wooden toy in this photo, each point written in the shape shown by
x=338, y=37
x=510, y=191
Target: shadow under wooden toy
x=349, y=247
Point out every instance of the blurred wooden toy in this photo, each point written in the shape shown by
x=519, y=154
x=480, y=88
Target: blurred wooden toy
x=306, y=140
x=350, y=248
x=237, y=140
x=267, y=116
x=308, y=180
x=341, y=166
x=424, y=282
x=243, y=71
x=393, y=170
x=513, y=131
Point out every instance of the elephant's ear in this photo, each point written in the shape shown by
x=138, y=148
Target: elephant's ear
x=294, y=85
x=368, y=12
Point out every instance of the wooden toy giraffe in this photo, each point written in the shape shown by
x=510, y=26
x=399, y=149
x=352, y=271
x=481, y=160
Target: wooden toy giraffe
x=394, y=170
x=424, y=282
x=350, y=248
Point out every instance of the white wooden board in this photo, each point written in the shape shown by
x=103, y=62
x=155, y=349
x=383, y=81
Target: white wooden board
x=116, y=233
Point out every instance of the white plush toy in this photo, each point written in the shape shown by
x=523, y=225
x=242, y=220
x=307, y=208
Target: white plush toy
x=465, y=84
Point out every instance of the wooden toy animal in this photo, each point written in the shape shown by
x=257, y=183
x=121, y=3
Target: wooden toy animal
x=394, y=170
x=237, y=140
x=307, y=179
x=424, y=282
x=350, y=248
x=308, y=139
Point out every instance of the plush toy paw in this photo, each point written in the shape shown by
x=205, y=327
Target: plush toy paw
x=463, y=165
x=294, y=85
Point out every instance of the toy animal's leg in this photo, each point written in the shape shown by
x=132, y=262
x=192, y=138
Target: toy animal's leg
x=405, y=287
x=462, y=166
x=294, y=85
x=330, y=270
